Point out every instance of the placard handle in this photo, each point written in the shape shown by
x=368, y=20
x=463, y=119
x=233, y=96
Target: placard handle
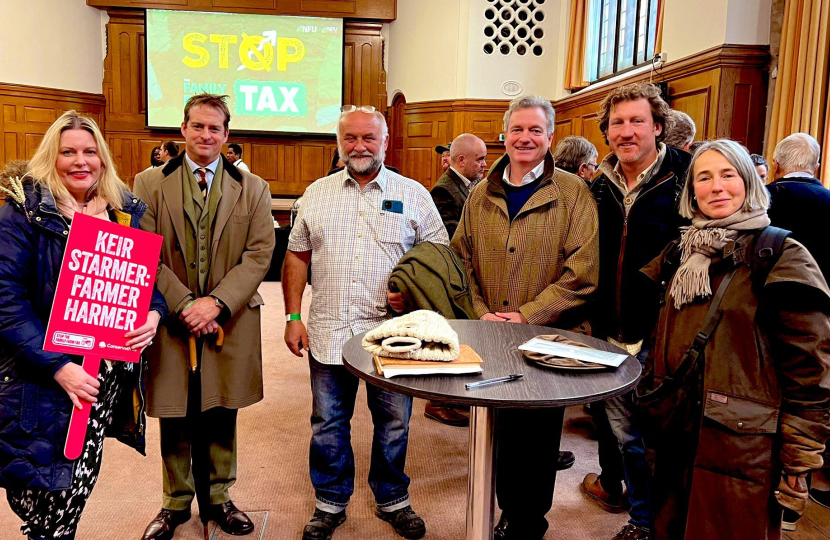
x=76, y=437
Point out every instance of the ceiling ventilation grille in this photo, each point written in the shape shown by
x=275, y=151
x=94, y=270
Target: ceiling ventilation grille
x=514, y=26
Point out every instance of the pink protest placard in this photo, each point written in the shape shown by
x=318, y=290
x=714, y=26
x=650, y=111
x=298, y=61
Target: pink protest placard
x=104, y=291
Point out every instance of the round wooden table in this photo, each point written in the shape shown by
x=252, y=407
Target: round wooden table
x=497, y=344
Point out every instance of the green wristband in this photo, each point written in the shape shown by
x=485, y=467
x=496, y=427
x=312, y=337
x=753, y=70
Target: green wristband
x=292, y=317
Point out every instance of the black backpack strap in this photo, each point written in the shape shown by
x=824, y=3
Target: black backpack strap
x=768, y=248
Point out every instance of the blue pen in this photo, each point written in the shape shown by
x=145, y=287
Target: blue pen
x=488, y=382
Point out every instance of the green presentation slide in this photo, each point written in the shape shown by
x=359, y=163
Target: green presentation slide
x=282, y=74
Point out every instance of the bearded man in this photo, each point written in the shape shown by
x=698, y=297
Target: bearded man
x=354, y=225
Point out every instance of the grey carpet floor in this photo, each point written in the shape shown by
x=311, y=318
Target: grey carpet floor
x=273, y=484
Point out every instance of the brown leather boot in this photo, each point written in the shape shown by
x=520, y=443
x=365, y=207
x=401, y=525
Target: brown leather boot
x=610, y=503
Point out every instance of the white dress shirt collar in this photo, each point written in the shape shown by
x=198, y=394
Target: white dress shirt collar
x=463, y=178
x=529, y=178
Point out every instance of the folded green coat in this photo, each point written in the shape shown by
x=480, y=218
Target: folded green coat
x=431, y=276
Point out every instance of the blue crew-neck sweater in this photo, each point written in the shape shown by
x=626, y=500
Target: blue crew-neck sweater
x=517, y=196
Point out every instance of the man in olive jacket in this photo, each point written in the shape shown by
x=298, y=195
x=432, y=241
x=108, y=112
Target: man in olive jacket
x=528, y=239
x=218, y=239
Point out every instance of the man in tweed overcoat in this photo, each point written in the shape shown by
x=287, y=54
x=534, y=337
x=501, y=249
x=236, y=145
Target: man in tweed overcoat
x=528, y=239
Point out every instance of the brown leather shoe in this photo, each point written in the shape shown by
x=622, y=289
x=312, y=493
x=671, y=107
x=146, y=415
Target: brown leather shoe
x=631, y=532
x=231, y=519
x=441, y=412
x=164, y=524
x=610, y=503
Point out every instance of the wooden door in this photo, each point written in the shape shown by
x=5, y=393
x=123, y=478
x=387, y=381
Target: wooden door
x=395, y=120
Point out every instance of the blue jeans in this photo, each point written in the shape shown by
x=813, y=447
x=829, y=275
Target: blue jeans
x=620, y=412
x=331, y=459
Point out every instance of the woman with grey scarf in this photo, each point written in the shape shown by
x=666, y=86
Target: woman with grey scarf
x=740, y=363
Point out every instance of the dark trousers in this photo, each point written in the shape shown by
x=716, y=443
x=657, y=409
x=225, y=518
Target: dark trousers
x=198, y=453
x=608, y=450
x=527, y=450
x=622, y=455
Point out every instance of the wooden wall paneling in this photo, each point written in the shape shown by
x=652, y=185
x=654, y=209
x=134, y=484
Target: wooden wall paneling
x=265, y=157
x=562, y=129
x=431, y=123
x=482, y=118
x=312, y=161
x=697, y=104
x=723, y=89
x=590, y=130
x=28, y=111
x=494, y=152
x=122, y=153
x=385, y=10
x=744, y=94
x=426, y=125
x=444, y=133
x=10, y=147
x=286, y=167
x=251, y=4
x=697, y=95
x=485, y=120
x=420, y=165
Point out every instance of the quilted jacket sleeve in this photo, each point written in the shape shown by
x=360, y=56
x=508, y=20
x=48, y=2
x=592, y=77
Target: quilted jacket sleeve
x=21, y=331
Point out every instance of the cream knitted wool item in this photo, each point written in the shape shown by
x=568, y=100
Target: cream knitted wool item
x=702, y=240
x=420, y=335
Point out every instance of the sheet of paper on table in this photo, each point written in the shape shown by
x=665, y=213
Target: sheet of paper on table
x=579, y=353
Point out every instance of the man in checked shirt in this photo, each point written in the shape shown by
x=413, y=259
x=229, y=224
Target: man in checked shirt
x=354, y=226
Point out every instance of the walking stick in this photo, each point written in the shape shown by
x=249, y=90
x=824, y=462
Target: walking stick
x=194, y=367
x=191, y=346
